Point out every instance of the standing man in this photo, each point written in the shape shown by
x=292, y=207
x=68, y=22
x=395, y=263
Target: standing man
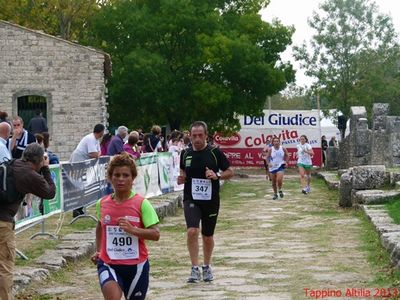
x=31, y=175
x=116, y=145
x=89, y=146
x=200, y=167
x=20, y=138
x=37, y=124
x=5, y=130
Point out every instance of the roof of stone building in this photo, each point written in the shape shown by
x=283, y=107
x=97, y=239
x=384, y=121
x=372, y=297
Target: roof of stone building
x=107, y=58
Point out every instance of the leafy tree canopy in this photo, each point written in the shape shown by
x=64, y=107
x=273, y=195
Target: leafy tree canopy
x=65, y=18
x=176, y=61
x=354, y=55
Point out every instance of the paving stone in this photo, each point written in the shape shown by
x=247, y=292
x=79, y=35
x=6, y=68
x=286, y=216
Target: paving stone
x=339, y=277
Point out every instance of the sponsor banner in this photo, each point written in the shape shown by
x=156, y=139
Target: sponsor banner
x=252, y=157
x=244, y=147
x=176, y=171
x=146, y=183
x=84, y=182
x=34, y=209
x=165, y=171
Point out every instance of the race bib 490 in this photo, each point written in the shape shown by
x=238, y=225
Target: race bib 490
x=121, y=245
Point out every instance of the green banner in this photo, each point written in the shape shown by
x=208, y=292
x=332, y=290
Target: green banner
x=29, y=211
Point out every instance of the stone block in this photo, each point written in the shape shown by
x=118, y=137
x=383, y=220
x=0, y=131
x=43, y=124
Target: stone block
x=51, y=260
x=332, y=155
x=374, y=196
x=394, y=177
x=369, y=177
x=345, y=190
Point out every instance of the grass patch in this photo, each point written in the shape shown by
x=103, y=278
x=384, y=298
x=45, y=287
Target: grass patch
x=36, y=250
x=377, y=256
x=393, y=208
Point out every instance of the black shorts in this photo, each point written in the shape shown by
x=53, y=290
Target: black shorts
x=133, y=279
x=206, y=211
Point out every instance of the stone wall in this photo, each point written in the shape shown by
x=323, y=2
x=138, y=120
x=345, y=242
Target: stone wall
x=70, y=76
x=364, y=146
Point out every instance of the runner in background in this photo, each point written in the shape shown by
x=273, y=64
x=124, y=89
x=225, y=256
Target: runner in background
x=126, y=220
x=277, y=157
x=304, y=163
x=264, y=154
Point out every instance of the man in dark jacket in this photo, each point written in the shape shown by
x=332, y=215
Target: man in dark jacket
x=31, y=175
x=37, y=124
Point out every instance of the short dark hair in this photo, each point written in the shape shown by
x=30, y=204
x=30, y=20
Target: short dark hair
x=121, y=160
x=199, y=124
x=98, y=128
x=33, y=153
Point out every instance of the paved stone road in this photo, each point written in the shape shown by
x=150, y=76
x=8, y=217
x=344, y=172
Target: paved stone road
x=265, y=249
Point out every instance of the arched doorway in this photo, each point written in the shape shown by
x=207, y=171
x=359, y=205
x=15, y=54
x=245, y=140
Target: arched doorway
x=28, y=105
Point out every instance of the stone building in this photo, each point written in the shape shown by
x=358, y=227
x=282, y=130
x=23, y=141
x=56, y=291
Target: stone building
x=64, y=80
x=379, y=145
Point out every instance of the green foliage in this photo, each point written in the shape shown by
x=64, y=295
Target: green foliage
x=292, y=98
x=176, y=61
x=354, y=55
x=65, y=18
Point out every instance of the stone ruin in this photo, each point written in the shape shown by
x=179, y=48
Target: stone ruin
x=365, y=156
x=379, y=145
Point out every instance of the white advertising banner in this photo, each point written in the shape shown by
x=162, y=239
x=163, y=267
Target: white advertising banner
x=244, y=147
x=146, y=183
x=165, y=171
x=176, y=171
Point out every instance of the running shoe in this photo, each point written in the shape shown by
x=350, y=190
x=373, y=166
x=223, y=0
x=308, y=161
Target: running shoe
x=207, y=274
x=275, y=197
x=281, y=194
x=194, y=275
x=304, y=191
x=308, y=189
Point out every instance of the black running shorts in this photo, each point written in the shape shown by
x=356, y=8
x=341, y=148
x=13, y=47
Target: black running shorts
x=206, y=211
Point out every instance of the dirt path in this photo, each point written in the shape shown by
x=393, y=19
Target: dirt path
x=265, y=249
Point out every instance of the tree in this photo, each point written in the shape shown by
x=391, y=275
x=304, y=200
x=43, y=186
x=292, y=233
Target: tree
x=177, y=61
x=354, y=55
x=67, y=19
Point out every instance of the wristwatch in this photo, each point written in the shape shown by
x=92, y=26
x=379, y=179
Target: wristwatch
x=218, y=175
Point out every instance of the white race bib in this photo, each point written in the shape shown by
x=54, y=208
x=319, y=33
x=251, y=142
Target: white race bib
x=121, y=245
x=201, y=189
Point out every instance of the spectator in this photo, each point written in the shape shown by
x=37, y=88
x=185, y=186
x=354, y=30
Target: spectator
x=116, y=145
x=105, y=141
x=20, y=138
x=130, y=147
x=186, y=142
x=53, y=158
x=146, y=137
x=89, y=146
x=4, y=117
x=5, y=130
x=333, y=142
x=37, y=124
x=324, y=146
x=154, y=143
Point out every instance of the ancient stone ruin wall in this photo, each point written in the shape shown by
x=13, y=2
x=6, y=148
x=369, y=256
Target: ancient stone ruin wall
x=70, y=76
x=364, y=146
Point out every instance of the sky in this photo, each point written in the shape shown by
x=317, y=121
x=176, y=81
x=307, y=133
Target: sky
x=296, y=13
